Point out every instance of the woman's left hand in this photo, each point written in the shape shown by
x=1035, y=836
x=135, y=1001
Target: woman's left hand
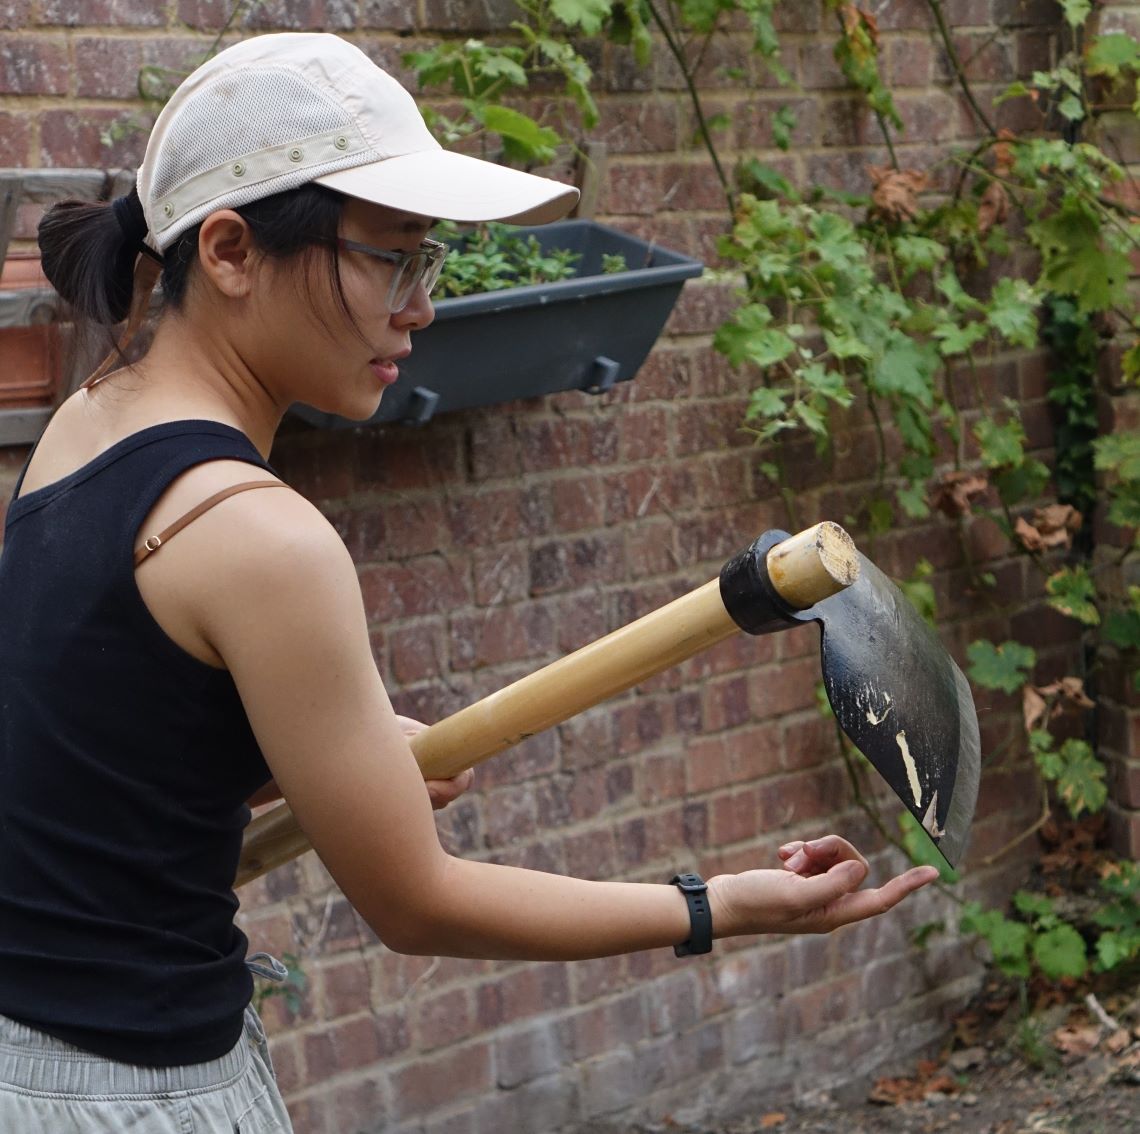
x=440, y=792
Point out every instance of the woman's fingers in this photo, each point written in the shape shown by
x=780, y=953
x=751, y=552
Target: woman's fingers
x=851, y=904
x=819, y=855
x=409, y=726
x=443, y=792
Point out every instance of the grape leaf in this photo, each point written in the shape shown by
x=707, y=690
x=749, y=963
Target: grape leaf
x=1060, y=952
x=1005, y=667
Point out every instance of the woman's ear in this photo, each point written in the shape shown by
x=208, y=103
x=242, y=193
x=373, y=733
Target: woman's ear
x=226, y=253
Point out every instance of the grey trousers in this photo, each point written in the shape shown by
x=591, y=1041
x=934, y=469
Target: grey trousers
x=50, y=1087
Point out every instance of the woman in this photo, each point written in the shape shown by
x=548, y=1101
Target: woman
x=177, y=639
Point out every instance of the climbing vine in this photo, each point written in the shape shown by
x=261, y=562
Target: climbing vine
x=900, y=299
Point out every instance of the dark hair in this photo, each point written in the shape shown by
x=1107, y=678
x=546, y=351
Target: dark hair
x=90, y=262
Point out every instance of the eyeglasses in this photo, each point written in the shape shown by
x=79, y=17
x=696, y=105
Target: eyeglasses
x=410, y=268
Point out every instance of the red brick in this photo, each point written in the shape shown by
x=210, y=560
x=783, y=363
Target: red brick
x=442, y=1019
x=418, y=652
x=33, y=65
x=15, y=142
x=466, y=1071
x=504, y=634
x=352, y=1044
x=632, y=189
x=426, y=585
x=635, y=128
x=387, y=15
x=134, y=13
x=302, y=15
x=576, y=503
x=501, y=575
x=785, y=687
x=526, y=991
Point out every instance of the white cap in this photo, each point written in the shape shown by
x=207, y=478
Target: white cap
x=278, y=111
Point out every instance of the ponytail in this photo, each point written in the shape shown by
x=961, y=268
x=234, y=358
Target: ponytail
x=89, y=257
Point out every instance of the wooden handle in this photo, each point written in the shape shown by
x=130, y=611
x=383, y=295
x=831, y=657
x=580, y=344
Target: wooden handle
x=804, y=569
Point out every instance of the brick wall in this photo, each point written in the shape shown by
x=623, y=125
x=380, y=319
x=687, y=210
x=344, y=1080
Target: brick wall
x=1119, y=409
x=490, y=542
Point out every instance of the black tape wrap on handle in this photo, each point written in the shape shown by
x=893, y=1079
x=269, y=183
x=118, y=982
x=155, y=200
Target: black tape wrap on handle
x=751, y=600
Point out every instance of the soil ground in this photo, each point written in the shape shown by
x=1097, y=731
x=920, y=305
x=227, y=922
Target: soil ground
x=1061, y=1070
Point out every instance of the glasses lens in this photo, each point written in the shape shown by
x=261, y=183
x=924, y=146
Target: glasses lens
x=421, y=267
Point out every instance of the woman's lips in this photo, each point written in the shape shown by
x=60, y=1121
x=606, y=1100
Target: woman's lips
x=386, y=372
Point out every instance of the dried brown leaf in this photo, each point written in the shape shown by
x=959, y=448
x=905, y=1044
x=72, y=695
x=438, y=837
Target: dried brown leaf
x=894, y=195
x=1003, y=153
x=773, y=1118
x=993, y=208
x=956, y=491
x=1033, y=707
x=1076, y=1041
x=1118, y=1041
x=1029, y=536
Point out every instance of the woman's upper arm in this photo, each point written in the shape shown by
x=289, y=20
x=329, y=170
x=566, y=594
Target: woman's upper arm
x=290, y=624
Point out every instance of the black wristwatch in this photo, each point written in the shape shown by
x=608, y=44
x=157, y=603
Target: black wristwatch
x=695, y=889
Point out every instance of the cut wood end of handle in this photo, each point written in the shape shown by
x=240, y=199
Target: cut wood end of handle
x=813, y=565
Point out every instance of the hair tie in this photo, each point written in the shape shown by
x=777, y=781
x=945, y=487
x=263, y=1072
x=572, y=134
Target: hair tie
x=132, y=221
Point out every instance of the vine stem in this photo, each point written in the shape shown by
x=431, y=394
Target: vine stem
x=1042, y=819
x=935, y=7
x=678, y=53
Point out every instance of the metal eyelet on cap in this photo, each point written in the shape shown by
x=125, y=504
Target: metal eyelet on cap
x=168, y=210
x=341, y=142
x=295, y=154
x=239, y=168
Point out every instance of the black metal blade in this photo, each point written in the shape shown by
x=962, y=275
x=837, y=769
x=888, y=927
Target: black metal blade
x=903, y=702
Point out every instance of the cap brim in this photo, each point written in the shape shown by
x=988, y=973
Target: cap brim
x=455, y=187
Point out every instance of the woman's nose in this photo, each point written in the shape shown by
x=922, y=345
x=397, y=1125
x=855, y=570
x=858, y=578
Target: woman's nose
x=418, y=312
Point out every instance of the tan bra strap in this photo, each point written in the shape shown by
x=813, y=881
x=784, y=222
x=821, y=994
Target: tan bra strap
x=154, y=542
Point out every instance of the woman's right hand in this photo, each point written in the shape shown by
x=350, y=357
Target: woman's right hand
x=816, y=891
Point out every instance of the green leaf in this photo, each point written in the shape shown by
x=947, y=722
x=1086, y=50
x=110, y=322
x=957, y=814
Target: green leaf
x=1022, y=482
x=764, y=403
x=1076, y=11
x=912, y=500
x=1115, y=948
x=749, y=337
x=1122, y=629
x=1001, y=442
x=921, y=849
x=907, y=368
x=1072, y=592
x=1075, y=261
x=1008, y=940
x=783, y=124
x=1014, y=90
x=1037, y=907
x=1071, y=108
x=918, y=253
x=522, y=136
x=836, y=243
x=589, y=15
x=1081, y=782
x=1005, y=667
x=846, y=345
x=958, y=339
x=1013, y=311
x=1060, y=952
x=1112, y=53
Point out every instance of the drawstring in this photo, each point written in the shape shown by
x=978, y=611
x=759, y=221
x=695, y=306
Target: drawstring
x=267, y=967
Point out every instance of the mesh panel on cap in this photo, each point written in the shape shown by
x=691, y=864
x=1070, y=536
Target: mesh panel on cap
x=238, y=114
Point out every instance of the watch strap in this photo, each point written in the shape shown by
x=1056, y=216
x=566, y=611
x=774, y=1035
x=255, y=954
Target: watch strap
x=695, y=889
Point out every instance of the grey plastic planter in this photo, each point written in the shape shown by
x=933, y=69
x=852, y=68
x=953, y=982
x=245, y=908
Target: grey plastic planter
x=584, y=333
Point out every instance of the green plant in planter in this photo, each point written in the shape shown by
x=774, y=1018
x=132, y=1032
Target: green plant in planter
x=493, y=257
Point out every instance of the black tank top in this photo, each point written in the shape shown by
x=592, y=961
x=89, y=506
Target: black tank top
x=125, y=764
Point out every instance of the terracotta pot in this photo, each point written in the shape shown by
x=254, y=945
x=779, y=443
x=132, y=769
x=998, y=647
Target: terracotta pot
x=30, y=367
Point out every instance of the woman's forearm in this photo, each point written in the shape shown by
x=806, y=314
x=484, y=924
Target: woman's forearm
x=503, y=912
